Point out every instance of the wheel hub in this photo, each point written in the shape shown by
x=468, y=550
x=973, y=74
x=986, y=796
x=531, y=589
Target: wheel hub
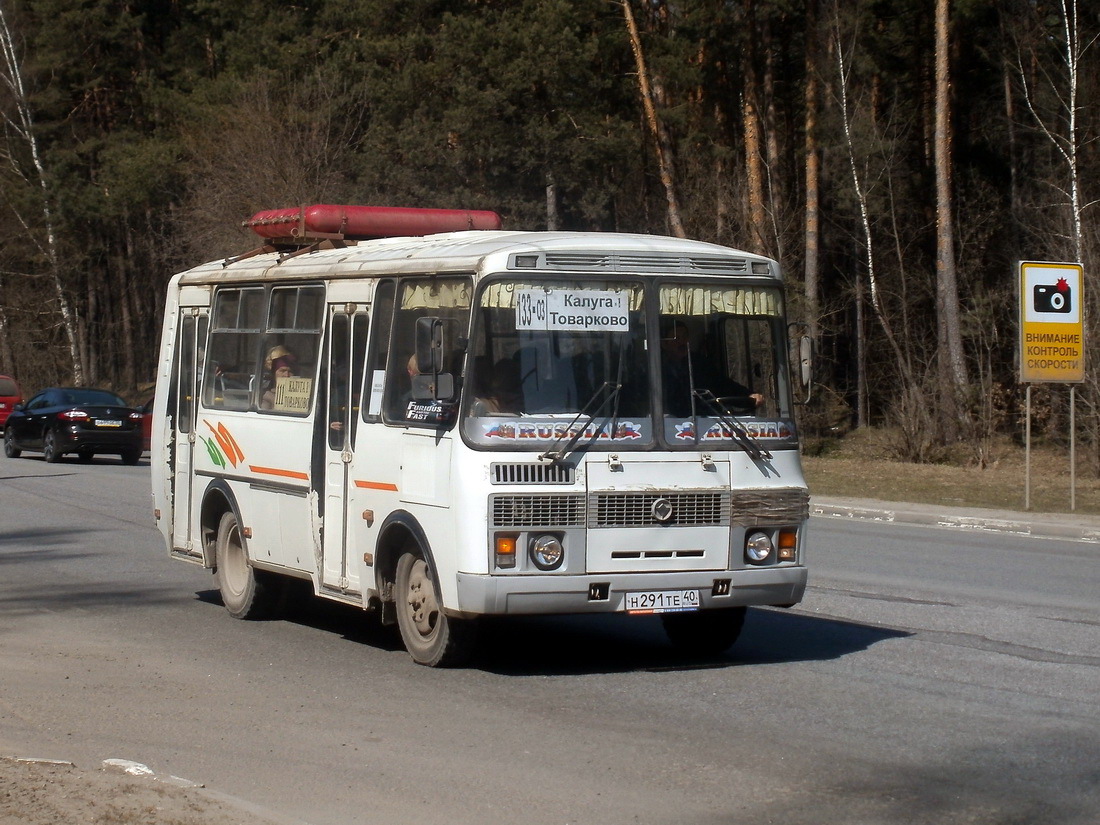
x=421, y=599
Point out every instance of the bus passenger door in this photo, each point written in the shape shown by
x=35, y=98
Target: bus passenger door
x=347, y=346
x=192, y=337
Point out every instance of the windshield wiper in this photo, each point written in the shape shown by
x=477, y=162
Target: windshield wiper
x=559, y=455
x=725, y=417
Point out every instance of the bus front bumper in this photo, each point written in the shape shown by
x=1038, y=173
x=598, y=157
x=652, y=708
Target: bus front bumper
x=534, y=594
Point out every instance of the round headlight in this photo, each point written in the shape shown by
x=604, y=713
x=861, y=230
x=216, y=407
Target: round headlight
x=758, y=547
x=547, y=552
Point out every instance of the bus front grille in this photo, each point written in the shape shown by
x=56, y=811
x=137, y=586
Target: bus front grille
x=537, y=510
x=636, y=509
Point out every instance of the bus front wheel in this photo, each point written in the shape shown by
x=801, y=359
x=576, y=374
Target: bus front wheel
x=704, y=632
x=432, y=638
x=246, y=594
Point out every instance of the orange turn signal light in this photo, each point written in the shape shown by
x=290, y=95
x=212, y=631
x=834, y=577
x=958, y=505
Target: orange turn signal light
x=788, y=541
x=505, y=547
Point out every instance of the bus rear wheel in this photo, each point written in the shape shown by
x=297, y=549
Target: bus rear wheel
x=704, y=632
x=246, y=593
x=431, y=637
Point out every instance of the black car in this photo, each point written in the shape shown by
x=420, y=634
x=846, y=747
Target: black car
x=77, y=420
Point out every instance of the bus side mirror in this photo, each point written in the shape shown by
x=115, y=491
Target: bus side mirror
x=429, y=344
x=432, y=383
x=805, y=359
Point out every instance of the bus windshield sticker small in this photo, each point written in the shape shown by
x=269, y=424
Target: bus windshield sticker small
x=580, y=310
x=377, y=384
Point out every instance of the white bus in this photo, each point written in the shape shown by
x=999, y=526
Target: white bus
x=446, y=426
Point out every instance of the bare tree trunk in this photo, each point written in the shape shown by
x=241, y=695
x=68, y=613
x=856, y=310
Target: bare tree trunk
x=24, y=129
x=771, y=142
x=754, y=150
x=862, y=402
x=865, y=215
x=1013, y=145
x=553, y=222
x=126, y=304
x=650, y=89
x=812, y=265
x=7, y=360
x=950, y=359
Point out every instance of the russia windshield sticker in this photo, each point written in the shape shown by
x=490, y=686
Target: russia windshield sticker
x=550, y=430
x=685, y=430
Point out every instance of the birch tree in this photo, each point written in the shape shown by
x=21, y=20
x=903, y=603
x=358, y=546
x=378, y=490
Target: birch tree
x=19, y=128
x=1064, y=139
x=862, y=202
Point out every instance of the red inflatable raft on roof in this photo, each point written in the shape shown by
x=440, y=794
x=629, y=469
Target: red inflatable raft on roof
x=363, y=222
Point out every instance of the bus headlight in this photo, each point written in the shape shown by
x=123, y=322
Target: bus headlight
x=546, y=552
x=758, y=548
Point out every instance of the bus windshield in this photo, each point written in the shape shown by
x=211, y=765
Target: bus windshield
x=547, y=356
x=720, y=363
x=550, y=360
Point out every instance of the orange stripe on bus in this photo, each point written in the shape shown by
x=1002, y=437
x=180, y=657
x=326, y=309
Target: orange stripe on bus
x=376, y=485
x=275, y=471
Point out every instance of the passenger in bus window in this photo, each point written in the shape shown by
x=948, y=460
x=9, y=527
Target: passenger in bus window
x=280, y=363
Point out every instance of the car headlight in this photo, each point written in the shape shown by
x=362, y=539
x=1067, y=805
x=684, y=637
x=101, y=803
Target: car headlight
x=758, y=548
x=546, y=552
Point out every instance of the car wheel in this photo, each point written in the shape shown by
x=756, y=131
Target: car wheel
x=50, y=452
x=432, y=638
x=10, y=450
x=131, y=456
x=246, y=592
x=704, y=632
x=84, y=456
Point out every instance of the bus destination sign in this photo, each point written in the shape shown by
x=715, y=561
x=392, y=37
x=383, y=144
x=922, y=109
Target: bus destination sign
x=573, y=310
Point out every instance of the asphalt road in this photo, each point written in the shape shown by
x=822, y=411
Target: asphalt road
x=930, y=676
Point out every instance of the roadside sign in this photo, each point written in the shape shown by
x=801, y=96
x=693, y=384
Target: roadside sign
x=1052, y=335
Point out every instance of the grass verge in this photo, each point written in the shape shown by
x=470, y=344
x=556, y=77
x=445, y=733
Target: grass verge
x=859, y=466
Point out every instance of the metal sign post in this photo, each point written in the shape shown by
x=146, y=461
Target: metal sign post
x=1052, y=343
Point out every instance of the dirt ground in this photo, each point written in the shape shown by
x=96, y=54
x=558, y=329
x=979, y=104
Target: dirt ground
x=35, y=793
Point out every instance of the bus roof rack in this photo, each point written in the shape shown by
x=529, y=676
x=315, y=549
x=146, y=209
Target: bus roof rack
x=360, y=223
x=298, y=230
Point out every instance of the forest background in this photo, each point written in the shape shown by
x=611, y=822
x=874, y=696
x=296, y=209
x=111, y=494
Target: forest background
x=897, y=157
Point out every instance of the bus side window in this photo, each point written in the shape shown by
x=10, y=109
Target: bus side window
x=447, y=299
x=290, y=352
x=235, y=334
x=381, y=323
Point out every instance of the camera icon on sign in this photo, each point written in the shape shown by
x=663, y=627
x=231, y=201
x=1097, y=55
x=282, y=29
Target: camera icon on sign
x=1052, y=297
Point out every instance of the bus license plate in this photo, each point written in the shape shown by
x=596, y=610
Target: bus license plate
x=107, y=422
x=662, y=601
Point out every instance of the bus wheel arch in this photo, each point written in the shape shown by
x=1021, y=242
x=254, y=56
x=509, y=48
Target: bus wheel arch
x=217, y=500
x=246, y=592
x=407, y=578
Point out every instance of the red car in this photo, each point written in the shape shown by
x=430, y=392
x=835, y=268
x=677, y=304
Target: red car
x=10, y=395
x=146, y=423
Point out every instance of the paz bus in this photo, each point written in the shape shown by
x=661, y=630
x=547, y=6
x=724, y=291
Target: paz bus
x=429, y=417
